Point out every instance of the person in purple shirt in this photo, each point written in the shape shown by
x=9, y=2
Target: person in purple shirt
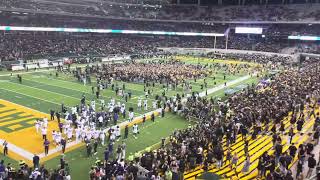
x=60, y=126
x=115, y=118
x=2, y=170
x=46, y=146
x=110, y=148
x=106, y=155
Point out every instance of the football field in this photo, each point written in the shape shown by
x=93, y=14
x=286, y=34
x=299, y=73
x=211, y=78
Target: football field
x=41, y=91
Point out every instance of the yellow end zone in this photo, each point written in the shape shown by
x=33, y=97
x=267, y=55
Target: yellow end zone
x=18, y=129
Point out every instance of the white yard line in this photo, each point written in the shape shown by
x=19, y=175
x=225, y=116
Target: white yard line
x=31, y=96
x=28, y=72
x=88, y=92
x=222, y=86
x=44, y=90
x=38, y=70
x=17, y=150
x=59, y=148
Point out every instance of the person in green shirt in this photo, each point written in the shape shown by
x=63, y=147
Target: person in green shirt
x=168, y=175
x=67, y=170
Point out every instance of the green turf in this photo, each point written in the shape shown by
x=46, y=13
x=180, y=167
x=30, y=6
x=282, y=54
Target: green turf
x=150, y=134
x=43, y=91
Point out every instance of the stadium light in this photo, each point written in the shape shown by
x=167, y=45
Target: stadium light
x=305, y=38
x=85, y=30
x=248, y=30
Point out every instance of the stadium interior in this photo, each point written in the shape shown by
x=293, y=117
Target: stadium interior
x=159, y=89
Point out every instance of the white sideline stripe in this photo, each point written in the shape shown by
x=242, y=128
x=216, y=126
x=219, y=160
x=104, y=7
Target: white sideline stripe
x=221, y=86
x=59, y=148
x=18, y=150
x=29, y=155
x=30, y=96
x=43, y=70
x=29, y=72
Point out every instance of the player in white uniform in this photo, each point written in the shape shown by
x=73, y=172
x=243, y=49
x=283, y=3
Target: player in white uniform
x=118, y=132
x=96, y=134
x=73, y=110
x=175, y=109
x=112, y=101
x=154, y=104
x=92, y=125
x=102, y=137
x=123, y=147
x=89, y=134
x=78, y=134
x=122, y=108
x=135, y=130
x=84, y=113
x=111, y=107
x=37, y=125
x=58, y=138
x=102, y=104
x=45, y=122
x=66, y=127
x=54, y=133
x=112, y=136
x=44, y=132
x=69, y=133
x=93, y=105
x=131, y=114
x=139, y=104
x=83, y=134
x=100, y=119
x=84, y=80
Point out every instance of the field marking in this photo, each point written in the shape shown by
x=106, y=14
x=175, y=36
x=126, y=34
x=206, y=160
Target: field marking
x=21, y=152
x=15, y=149
x=45, y=99
x=108, y=98
x=44, y=90
x=31, y=96
x=28, y=72
x=88, y=92
x=222, y=86
x=44, y=70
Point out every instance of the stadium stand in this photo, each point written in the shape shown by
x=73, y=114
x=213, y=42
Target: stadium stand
x=260, y=132
x=275, y=13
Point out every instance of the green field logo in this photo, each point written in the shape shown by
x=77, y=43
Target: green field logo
x=14, y=119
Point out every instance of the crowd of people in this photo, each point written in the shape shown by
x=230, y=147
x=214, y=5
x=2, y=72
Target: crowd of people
x=292, y=94
x=272, y=60
x=293, y=12
x=27, y=45
x=17, y=46
x=166, y=72
x=23, y=47
x=253, y=108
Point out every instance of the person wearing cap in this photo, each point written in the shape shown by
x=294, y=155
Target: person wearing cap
x=46, y=144
x=5, y=148
x=36, y=160
x=63, y=143
x=35, y=173
x=2, y=170
x=126, y=132
x=67, y=172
